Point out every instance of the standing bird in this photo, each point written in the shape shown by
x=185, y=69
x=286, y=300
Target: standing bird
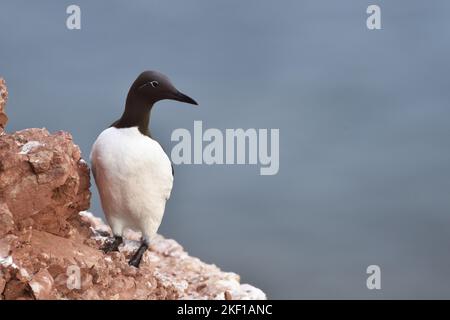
x=133, y=174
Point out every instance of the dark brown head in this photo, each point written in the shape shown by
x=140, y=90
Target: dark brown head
x=149, y=88
x=153, y=86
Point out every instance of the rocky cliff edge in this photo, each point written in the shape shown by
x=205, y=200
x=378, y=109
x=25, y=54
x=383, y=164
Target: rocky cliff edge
x=49, y=244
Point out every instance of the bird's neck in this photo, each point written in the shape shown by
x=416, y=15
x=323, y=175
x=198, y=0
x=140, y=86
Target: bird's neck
x=137, y=114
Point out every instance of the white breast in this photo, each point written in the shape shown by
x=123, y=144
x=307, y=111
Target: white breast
x=134, y=178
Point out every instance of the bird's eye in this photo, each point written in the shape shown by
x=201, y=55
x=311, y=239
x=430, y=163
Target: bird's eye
x=154, y=83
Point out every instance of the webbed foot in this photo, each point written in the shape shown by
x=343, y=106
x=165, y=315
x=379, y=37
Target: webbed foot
x=112, y=245
x=137, y=257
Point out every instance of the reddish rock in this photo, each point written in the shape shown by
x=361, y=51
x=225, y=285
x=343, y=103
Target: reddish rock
x=3, y=100
x=42, y=285
x=6, y=220
x=17, y=290
x=43, y=181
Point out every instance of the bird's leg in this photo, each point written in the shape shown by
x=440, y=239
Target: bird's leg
x=136, y=259
x=113, y=245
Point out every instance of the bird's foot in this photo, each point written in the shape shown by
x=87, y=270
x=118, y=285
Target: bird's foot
x=112, y=245
x=135, y=261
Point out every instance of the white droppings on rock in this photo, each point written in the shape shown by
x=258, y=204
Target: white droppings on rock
x=27, y=147
x=252, y=293
x=36, y=287
x=152, y=257
x=24, y=273
x=97, y=226
x=8, y=262
x=42, y=284
x=129, y=246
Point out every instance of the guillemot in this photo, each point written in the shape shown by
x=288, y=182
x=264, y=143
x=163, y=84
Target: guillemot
x=134, y=176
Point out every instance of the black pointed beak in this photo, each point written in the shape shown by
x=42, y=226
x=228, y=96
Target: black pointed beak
x=178, y=96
